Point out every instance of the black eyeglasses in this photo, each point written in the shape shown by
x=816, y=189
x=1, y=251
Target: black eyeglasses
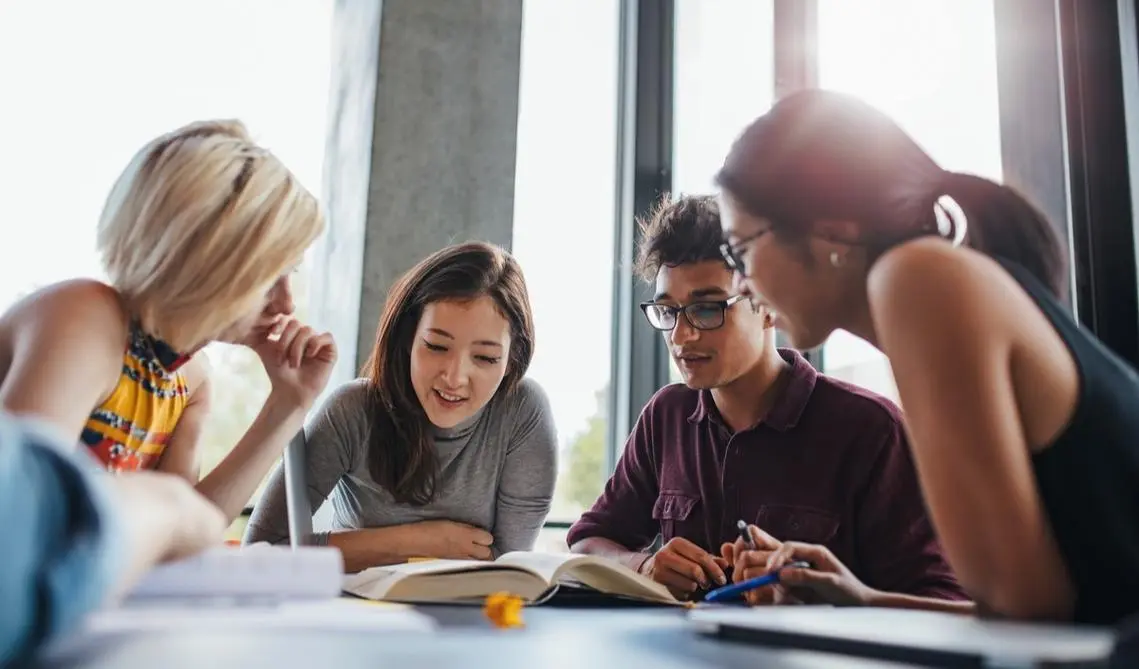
x=708, y=315
x=732, y=252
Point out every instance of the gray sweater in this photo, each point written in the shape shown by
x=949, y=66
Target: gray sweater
x=496, y=471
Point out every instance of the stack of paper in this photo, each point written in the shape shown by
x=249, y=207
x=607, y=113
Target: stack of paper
x=235, y=589
x=257, y=572
x=330, y=615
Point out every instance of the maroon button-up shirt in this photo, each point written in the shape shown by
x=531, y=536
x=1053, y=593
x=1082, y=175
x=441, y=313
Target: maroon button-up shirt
x=829, y=464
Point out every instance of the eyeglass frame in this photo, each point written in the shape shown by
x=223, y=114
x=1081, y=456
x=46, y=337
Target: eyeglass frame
x=724, y=305
x=731, y=253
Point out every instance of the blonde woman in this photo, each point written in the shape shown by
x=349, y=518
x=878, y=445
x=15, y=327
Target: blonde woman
x=198, y=238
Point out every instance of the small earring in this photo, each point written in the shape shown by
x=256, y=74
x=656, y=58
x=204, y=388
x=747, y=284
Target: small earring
x=837, y=260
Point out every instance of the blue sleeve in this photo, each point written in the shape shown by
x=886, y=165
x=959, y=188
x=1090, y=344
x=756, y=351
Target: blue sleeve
x=60, y=535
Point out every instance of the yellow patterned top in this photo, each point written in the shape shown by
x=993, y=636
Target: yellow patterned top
x=131, y=429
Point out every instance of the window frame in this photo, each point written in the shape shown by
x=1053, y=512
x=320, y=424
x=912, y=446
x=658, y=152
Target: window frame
x=644, y=167
x=1068, y=73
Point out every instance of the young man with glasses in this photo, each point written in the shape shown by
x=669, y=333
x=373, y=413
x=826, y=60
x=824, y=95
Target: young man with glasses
x=753, y=434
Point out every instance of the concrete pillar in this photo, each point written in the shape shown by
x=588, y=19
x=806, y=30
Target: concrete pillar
x=421, y=149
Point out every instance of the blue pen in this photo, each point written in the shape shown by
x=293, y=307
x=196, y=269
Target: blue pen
x=737, y=589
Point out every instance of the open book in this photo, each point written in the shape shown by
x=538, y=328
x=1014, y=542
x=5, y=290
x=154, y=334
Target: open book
x=532, y=576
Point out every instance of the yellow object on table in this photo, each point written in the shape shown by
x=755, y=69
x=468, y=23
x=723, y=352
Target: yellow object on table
x=504, y=610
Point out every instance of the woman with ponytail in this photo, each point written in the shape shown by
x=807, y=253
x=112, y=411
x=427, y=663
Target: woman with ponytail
x=1022, y=425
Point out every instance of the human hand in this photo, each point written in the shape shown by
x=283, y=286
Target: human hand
x=683, y=568
x=452, y=540
x=750, y=562
x=827, y=581
x=297, y=360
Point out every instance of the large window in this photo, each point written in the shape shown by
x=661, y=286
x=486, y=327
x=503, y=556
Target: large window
x=943, y=95
x=724, y=78
x=564, y=209
x=879, y=50
x=81, y=95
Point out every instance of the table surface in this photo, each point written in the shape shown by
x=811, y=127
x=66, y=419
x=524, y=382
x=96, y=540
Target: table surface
x=553, y=637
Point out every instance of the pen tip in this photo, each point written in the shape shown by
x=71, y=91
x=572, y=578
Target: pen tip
x=741, y=525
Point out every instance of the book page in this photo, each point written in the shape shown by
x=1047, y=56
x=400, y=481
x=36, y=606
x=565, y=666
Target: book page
x=610, y=577
x=596, y=572
x=546, y=565
x=376, y=582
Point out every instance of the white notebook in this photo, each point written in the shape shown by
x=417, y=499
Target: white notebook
x=242, y=588
x=890, y=633
x=257, y=572
x=328, y=615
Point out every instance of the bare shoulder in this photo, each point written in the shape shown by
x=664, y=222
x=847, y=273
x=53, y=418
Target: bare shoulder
x=929, y=285
x=65, y=345
x=76, y=310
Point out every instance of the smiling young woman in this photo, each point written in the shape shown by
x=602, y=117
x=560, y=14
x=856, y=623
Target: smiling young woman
x=443, y=448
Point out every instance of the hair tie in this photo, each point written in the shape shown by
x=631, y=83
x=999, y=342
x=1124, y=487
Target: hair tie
x=952, y=224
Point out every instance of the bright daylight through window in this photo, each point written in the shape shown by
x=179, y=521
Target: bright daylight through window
x=564, y=209
x=946, y=97
x=724, y=78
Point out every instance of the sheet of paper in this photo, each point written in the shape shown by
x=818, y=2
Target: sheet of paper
x=326, y=615
x=257, y=571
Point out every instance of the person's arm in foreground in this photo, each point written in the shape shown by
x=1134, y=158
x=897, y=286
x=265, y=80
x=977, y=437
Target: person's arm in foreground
x=829, y=581
x=943, y=318
x=77, y=537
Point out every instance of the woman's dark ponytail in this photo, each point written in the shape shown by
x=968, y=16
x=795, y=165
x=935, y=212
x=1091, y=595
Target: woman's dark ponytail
x=1002, y=223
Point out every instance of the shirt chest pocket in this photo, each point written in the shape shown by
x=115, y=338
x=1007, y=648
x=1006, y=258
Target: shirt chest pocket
x=678, y=514
x=797, y=523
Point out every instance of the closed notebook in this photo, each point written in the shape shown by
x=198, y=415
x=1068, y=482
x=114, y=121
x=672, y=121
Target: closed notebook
x=237, y=573
x=245, y=588
x=535, y=577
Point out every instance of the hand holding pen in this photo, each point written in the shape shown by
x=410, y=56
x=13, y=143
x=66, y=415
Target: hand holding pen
x=826, y=581
x=746, y=586
x=792, y=572
x=748, y=556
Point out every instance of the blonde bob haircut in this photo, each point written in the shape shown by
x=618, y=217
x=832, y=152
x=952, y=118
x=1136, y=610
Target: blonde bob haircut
x=197, y=229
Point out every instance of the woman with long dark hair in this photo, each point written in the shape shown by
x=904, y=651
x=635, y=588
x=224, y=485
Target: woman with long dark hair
x=1023, y=426
x=443, y=448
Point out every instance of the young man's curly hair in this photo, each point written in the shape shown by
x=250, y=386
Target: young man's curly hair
x=678, y=233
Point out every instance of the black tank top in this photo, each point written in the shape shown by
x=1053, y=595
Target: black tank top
x=1088, y=478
